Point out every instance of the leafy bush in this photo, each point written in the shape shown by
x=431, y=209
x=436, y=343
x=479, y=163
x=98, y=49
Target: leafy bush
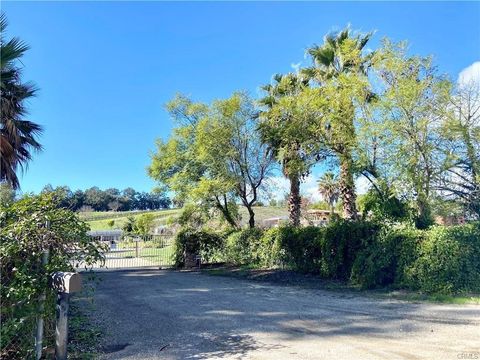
x=129, y=226
x=441, y=259
x=385, y=206
x=270, y=252
x=341, y=243
x=385, y=257
x=205, y=243
x=449, y=260
x=244, y=247
x=24, y=237
x=302, y=249
x=144, y=224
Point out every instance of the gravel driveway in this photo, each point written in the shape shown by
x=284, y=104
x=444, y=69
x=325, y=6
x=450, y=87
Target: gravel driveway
x=187, y=315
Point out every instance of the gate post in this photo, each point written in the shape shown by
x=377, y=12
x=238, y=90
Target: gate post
x=61, y=326
x=65, y=283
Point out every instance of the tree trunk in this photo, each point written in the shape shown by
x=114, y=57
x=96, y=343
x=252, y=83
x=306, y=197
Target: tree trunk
x=294, y=200
x=251, y=220
x=424, y=217
x=226, y=213
x=347, y=188
x=472, y=157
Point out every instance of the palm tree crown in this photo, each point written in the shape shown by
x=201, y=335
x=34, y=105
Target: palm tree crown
x=17, y=135
x=329, y=188
x=340, y=53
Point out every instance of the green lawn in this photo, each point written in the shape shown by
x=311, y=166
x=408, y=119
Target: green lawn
x=163, y=256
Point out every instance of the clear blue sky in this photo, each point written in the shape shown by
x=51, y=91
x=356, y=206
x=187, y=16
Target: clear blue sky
x=106, y=69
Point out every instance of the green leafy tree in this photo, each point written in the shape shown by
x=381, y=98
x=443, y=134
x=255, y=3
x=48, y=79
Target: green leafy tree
x=129, y=225
x=413, y=104
x=460, y=131
x=214, y=156
x=177, y=166
x=144, y=224
x=228, y=141
x=18, y=137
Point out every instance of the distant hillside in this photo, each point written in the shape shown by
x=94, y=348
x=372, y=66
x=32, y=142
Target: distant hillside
x=99, y=220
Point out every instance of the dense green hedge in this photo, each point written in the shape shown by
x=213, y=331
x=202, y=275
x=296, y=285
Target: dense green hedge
x=208, y=244
x=448, y=261
x=386, y=258
x=368, y=254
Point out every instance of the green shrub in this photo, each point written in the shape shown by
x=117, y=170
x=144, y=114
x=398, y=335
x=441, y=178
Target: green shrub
x=449, y=260
x=441, y=259
x=301, y=247
x=341, y=243
x=244, y=247
x=384, y=257
x=270, y=252
x=28, y=228
x=144, y=224
x=385, y=205
x=207, y=244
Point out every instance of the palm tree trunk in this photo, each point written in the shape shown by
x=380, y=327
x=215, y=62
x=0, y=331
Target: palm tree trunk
x=294, y=200
x=347, y=188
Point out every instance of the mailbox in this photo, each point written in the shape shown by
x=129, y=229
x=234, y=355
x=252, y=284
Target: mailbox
x=67, y=282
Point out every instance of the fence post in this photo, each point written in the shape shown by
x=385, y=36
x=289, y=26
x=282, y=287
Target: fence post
x=41, y=307
x=65, y=283
x=61, y=326
x=136, y=247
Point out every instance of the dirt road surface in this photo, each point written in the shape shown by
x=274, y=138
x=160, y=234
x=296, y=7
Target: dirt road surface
x=165, y=314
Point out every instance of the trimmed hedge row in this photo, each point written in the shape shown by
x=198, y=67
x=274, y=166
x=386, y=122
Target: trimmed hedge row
x=441, y=259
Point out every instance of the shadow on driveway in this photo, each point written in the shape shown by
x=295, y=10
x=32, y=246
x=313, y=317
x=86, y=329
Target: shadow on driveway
x=186, y=315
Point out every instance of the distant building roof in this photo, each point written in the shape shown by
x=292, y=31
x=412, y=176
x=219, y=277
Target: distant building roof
x=277, y=218
x=105, y=232
x=318, y=211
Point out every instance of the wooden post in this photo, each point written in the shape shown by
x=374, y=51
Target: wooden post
x=65, y=283
x=61, y=327
x=136, y=248
x=41, y=307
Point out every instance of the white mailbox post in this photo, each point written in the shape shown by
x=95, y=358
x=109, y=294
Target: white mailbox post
x=65, y=283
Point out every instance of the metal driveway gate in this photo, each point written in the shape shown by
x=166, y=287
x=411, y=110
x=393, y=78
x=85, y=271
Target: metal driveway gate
x=135, y=251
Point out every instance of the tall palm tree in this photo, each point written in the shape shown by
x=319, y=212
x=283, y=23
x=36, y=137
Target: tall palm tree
x=341, y=53
x=17, y=135
x=280, y=130
x=329, y=188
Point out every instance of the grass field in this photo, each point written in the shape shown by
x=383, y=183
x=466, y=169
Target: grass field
x=162, y=255
x=99, y=220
